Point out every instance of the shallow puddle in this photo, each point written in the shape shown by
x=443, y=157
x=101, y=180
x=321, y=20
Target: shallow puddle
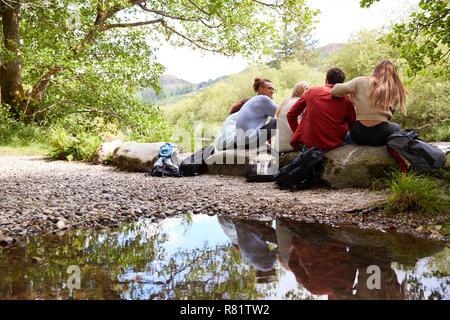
x=204, y=257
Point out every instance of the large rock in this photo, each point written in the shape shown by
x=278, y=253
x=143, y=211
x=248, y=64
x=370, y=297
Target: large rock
x=445, y=147
x=357, y=166
x=352, y=165
x=232, y=162
x=105, y=151
x=133, y=156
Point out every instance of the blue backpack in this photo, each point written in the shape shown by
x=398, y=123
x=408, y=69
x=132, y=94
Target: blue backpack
x=167, y=163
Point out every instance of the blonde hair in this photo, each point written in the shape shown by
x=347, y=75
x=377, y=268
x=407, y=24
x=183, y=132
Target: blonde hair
x=299, y=89
x=387, y=88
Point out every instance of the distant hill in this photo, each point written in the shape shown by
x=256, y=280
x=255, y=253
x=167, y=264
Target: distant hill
x=325, y=51
x=173, y=87
x=172, y=82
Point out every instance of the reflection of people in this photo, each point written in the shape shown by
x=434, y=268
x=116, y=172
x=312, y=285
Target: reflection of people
x=389, y=289
x=324, y=266
x=281, y=142
x=327, y=120
x=322, y=269
x=252, y=125
x=376, y=97
x=251, y=241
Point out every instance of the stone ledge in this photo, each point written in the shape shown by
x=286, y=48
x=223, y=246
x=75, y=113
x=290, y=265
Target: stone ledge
x=349, y=166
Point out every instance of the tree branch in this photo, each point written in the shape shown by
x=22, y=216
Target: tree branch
x=86, y=109
x=195, y=42
x=166, y=15
x=48, y=108
x=131, y=24
x=41, y=86
x=432, y=124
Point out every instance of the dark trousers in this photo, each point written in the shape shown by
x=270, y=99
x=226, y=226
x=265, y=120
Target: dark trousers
x=264, y=134
x=373, y=136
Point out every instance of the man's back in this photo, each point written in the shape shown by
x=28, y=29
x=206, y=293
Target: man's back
x=326, y=122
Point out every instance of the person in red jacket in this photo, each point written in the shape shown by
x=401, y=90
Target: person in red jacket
x=327, y=119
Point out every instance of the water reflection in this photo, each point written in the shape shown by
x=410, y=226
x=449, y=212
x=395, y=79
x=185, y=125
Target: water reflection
x=203, y=257
x=337, y=269
x=252, y=239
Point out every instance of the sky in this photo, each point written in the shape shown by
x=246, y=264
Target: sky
x=338, y=20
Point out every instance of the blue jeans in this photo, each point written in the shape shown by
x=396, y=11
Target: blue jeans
x=348, y=139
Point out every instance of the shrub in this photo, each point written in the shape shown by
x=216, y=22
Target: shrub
x=67, y=145
x=418, y=194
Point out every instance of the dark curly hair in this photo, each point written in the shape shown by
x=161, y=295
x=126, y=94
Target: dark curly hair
x=335, y=75
x=258, y=83
x=238, y=105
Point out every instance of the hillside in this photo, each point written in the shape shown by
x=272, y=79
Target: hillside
x=174, y=88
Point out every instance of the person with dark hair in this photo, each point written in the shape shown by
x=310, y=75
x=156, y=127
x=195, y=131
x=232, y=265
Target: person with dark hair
x=238, y=105
x=327, y=119
x=225, y=137
x=252, y=127
x=376, y=98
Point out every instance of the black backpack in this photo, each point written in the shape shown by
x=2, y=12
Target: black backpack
x=195, y=164
x=422, y=156
x=301, y=172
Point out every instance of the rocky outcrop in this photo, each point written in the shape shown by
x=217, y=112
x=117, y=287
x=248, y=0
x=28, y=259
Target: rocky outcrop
x=140, y=157
x=344, y=167
x=105, y=151
x=232, y=162
x=357, y=166
x=133, y=156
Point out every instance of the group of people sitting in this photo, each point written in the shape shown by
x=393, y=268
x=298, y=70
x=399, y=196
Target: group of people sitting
x=324, y=117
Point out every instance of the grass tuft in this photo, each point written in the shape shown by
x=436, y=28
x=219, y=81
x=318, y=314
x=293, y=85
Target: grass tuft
x=417, y=194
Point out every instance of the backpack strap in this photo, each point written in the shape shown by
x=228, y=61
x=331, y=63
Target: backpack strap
x=400, y=161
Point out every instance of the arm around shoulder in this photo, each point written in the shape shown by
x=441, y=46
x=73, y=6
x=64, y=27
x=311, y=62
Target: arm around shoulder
x=341, y=89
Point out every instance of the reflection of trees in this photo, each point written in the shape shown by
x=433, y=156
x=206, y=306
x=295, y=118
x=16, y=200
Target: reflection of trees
x=209, y=273
x=131, y=263
x=100, y=257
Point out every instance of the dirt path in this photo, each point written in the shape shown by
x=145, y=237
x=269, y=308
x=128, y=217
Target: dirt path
x=40, y=196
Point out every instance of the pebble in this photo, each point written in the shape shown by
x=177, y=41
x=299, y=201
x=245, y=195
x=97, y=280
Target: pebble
x=81, y=192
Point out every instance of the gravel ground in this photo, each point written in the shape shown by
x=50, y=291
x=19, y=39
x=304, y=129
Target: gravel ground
x=40, y=196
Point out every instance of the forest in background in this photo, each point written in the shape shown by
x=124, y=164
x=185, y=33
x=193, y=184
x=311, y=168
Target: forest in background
x=72, y=72
x=428, y=101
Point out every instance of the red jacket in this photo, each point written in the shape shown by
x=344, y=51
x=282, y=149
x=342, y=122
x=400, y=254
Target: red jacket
x=326, y=122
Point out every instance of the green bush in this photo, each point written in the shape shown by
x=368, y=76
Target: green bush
x=417, y=194
x=28, y=137
x=75, y=144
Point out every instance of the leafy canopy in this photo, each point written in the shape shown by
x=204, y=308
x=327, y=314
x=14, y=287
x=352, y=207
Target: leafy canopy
x=95, y=56
x=425, y=39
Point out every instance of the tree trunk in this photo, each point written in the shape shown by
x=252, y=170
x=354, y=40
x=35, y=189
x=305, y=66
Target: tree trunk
x=11, y=67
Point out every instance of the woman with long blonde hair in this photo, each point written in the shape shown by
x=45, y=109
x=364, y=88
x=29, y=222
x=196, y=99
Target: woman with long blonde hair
x=376, y=99
x=281, y=141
